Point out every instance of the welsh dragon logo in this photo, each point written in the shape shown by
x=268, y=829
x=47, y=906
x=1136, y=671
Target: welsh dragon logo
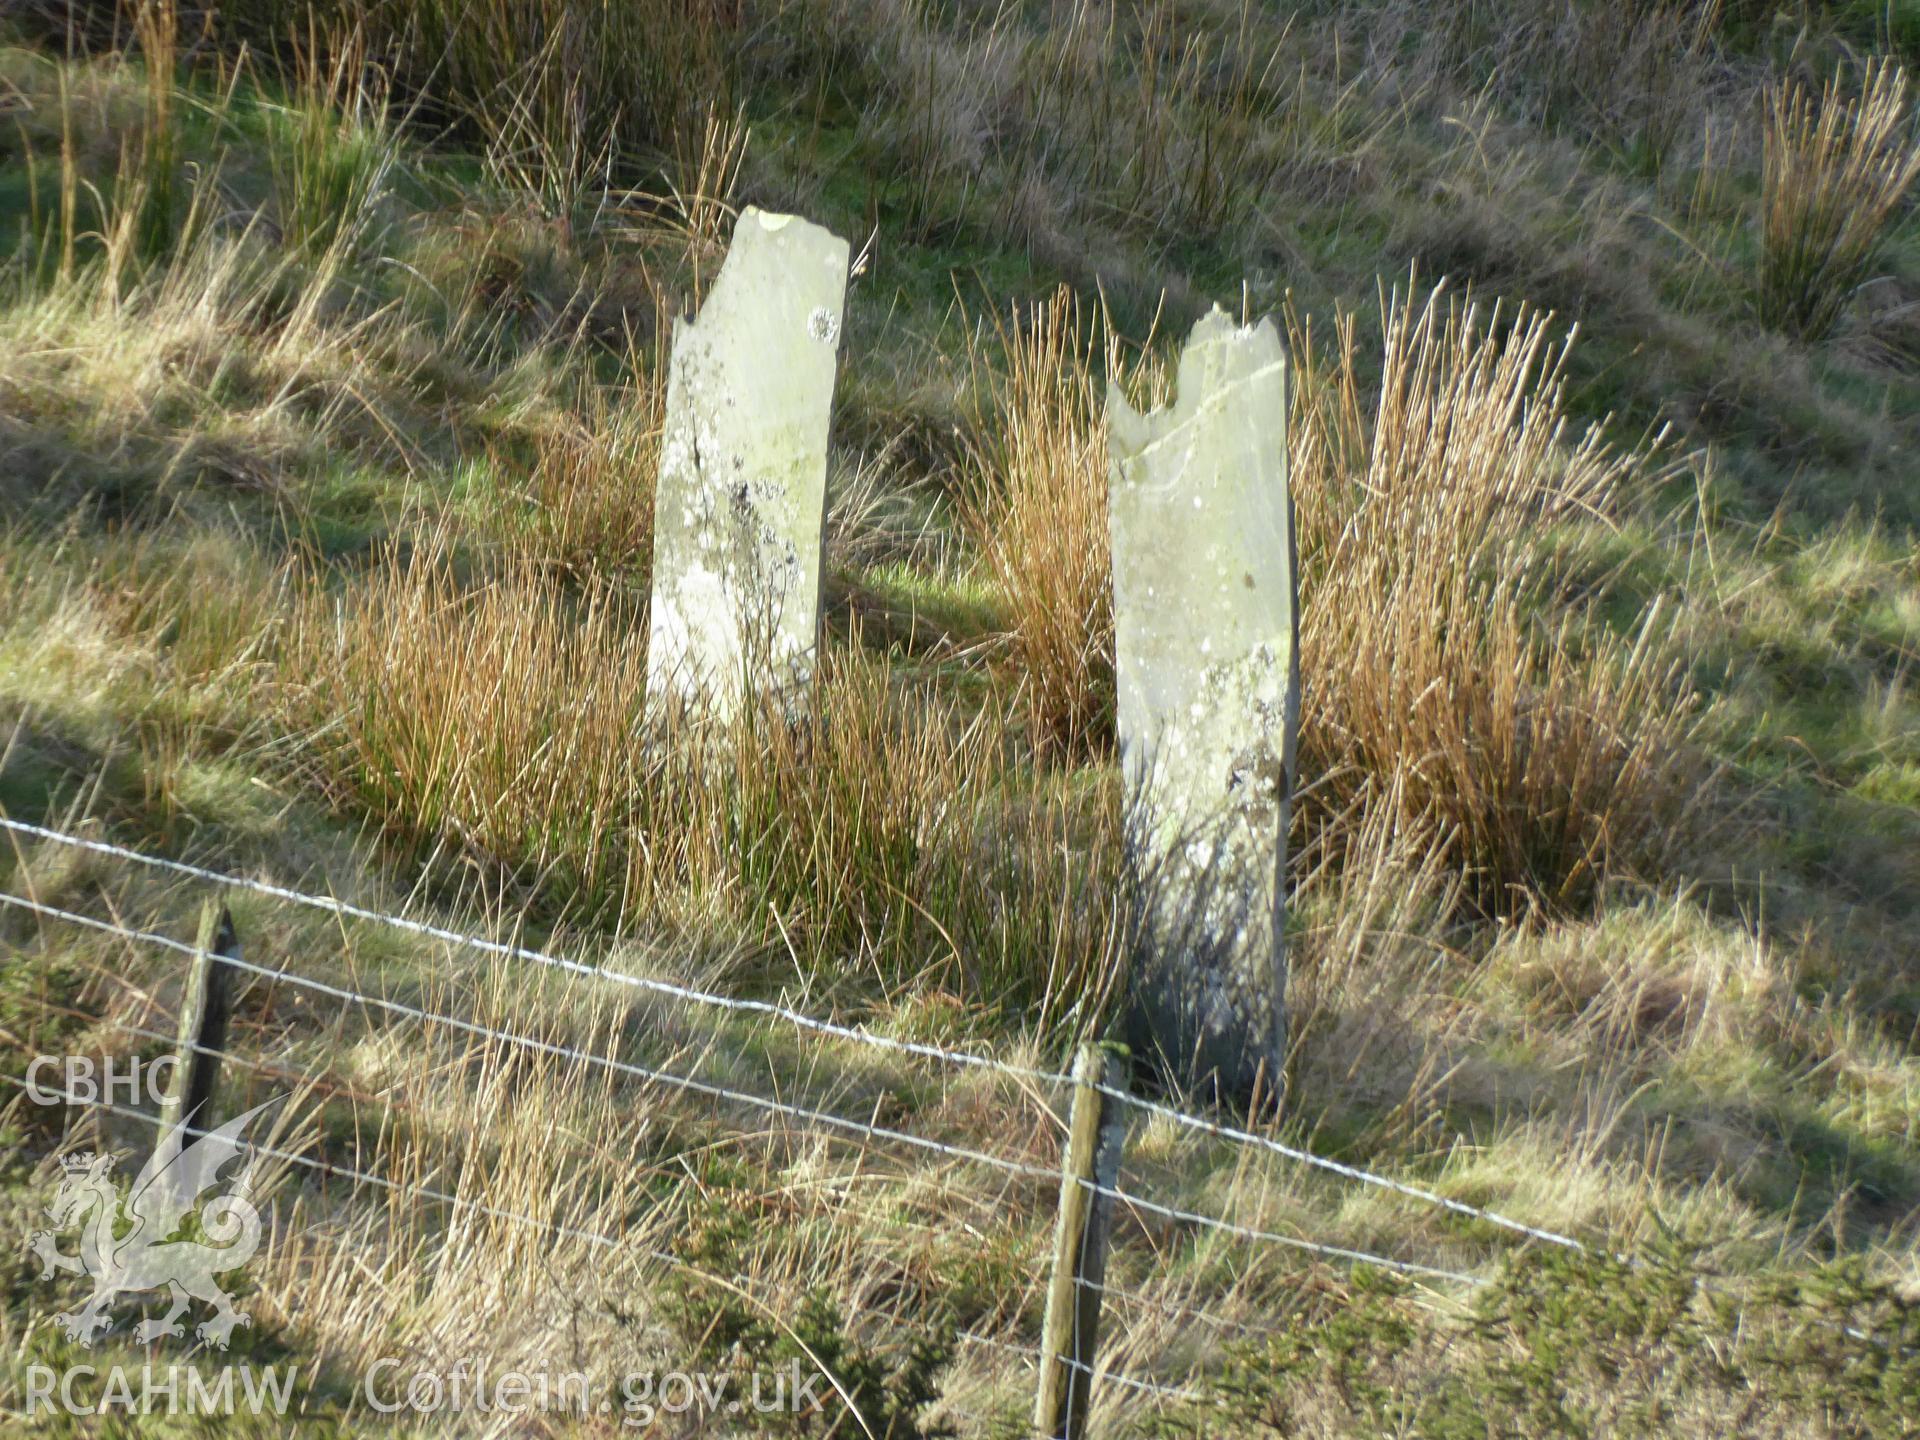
x=150, y=1255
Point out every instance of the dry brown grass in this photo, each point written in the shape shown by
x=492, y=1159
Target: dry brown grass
x=1540, y=751
x=1547, y=752
x=505, y=714
x=505, y=717
x=1835, y=173
x=1038, y=512
x=587, y=510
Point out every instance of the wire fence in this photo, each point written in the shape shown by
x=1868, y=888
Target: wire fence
x=1184, y=1119
x=505, y=950
x=1125, y=1197
x=414, y=1190
x=563, y=1052
x=332, y=1171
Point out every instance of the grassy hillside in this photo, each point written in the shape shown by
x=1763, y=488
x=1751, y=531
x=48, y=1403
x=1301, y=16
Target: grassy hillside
x=332, y=356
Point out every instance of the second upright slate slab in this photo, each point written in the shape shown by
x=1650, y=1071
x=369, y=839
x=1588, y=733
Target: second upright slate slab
x=1209, y=697
x=740, y=508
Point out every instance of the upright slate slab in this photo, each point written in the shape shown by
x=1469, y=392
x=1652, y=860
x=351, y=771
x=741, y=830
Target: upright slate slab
x=740, y=509
x=1205, y=611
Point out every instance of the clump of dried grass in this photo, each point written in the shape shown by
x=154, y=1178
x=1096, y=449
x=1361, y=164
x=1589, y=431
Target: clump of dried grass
x=1038, y=512
x=587, y=510
x=1547, y=751
x=504, y=713
x=1542, y=751
x=506, y=716
x=1835, y=172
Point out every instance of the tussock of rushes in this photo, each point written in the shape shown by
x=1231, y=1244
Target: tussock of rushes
x=589, y=509
x=1038, y=511
x=1835, y=172
x=508, y=717
x=1545, y=752
x=507, y=713
x=332, y=150
x=1539, y=752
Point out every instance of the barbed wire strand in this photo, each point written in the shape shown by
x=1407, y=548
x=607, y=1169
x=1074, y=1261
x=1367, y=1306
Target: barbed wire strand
x=795, y=1017
x=1248, y=1232
x=689, y=994
x=578, y=967
x=362, y=1177
x=798, y=1112
x=593, y=1237
x=266, y=1067
x=329, y=1089
x=1013, y=1167
x=585, y=1057
x=1351, y=1172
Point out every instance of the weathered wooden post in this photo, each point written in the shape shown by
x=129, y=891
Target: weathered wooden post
x=1069, y=1338
x=741, y=504
x=1206, y=621
x=206, y=1005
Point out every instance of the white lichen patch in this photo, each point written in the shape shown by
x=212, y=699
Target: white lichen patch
x=824, y=325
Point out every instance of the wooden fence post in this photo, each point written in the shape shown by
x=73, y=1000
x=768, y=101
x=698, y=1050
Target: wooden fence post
x=1069, y=1338
x=205, y=1006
